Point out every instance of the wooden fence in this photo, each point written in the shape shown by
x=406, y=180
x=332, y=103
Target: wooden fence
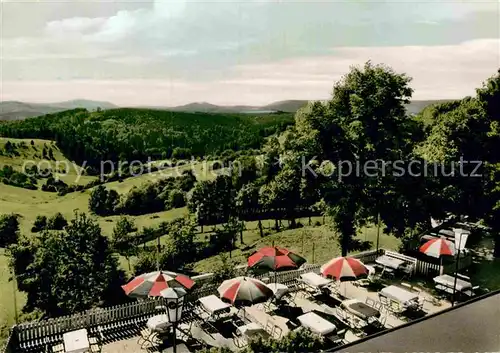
x=429, y=269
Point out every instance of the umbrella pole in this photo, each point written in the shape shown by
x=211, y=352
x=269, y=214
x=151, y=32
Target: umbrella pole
x=441, y=266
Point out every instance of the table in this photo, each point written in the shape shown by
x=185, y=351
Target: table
x=399, y=294
x=213, y=305
x=158, y=323
x=315, y=280
x=449, y=281
x=360, y=309
x=317, y=324
x=76, y=341
x=390, y=262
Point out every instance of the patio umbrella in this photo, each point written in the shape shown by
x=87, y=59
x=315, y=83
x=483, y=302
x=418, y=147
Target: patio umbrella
x=344, y=269
x=438, y=248
x=244, y=290
x=151, y=284
x=275, y=259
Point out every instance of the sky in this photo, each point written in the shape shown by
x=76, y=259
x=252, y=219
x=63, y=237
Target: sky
x=166, y=53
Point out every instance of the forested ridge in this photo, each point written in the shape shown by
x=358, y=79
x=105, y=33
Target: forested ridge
x=138, y=134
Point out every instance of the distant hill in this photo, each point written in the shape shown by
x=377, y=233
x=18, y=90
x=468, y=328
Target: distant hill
x=289, y=106
x=13, y=110
x=416, y=107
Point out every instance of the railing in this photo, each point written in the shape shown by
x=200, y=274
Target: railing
x=430, y=269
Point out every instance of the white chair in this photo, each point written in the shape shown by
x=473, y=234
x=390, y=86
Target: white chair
x=395, y=307
x=385, y=302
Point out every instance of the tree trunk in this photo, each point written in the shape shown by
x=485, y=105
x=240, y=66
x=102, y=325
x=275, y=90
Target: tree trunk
x=260, y=229
x=241, y=236
x=202, y=228
x=309, y=220
x=276, y=225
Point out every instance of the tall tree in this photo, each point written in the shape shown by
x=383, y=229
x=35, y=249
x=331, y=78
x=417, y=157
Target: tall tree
x=365, y=121
x=67, y=272
x=9, y=229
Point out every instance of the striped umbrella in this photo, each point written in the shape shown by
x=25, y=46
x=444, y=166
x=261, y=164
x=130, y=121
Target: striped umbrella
x=438, y=247
x=151, y=284
x=244, y=291
x=344, y=269
x=275, y=259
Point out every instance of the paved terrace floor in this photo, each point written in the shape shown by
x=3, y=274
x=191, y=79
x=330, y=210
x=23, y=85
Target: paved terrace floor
x=258, y=314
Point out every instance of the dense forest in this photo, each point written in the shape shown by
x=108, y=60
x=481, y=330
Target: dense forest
x=139, y=134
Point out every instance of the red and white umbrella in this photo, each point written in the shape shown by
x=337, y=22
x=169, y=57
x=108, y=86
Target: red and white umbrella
x=244, y=290
x=151, y=284
x=344, y=269
x=438, y=247
x=275, y=259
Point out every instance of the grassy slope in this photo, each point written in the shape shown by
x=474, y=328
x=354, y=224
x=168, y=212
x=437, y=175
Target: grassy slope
x=31, y=203
x=317, y=244
x=33, y=154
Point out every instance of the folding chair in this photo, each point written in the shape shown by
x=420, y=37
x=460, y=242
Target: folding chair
x=384, y=300
x=59, y=348
x=370, y=302
x=95, y=345
x=341, y=314
x=146, y=337
x=278, y=331
x=395, y=307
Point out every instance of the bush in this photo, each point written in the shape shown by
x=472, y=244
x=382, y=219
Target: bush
x=9, y=229
x=224, y=269
x=176, y=199
x=39, y=224
x=57, y=222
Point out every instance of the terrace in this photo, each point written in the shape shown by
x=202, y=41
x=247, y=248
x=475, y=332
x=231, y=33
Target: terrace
x=343, y=313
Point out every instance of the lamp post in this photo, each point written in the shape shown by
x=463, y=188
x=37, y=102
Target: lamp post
x=175, y=305
x=460, y=240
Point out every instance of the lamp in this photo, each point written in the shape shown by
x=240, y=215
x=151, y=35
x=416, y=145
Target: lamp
x=175, y=304
x=461, y=236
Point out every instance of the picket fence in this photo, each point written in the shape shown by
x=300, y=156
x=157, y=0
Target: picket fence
x=33, y=331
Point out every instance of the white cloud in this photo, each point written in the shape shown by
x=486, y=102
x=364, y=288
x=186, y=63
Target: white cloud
x=439, y=72
x=75, y=25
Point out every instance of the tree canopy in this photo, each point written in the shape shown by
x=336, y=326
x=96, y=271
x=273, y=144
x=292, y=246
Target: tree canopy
x=63, y=272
